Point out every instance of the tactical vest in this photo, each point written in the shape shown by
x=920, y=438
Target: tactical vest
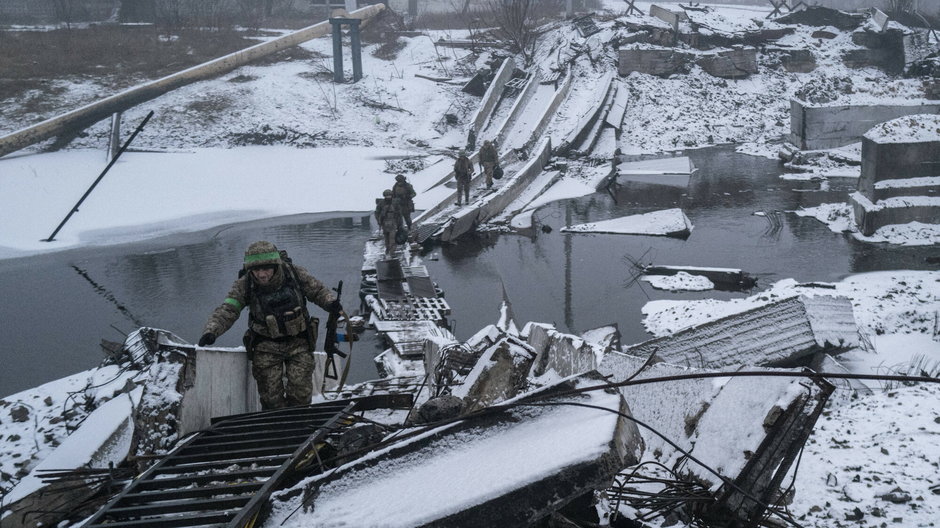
x=277, y=313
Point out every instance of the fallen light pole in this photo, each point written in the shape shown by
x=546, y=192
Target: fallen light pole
x=100, y=176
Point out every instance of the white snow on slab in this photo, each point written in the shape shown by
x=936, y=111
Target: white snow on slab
x=681, y=281
x=902, y=301
x=665, y=222
x=908, y=182
x=840, y=218
x=462, y=469
x=915, y=128
x=666, y=171
x=912, y=234
x=837, y=216
x=89, y=445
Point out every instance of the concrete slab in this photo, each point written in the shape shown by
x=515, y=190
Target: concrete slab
x=473, y=470
x=776, y=334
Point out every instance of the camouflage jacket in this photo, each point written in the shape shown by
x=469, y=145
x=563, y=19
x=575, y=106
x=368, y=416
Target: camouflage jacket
x=488, y=154
x=462, y=167
x=404, y=192
x=243, y=294
x=388, y=215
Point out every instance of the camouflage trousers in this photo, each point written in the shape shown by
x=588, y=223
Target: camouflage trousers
x=275, y=361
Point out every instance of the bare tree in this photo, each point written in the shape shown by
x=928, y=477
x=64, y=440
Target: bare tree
x=514, y=26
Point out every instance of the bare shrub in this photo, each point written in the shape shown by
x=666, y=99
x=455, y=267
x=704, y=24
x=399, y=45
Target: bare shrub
x=515, y=24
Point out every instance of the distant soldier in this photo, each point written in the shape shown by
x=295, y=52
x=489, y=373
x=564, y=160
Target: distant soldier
x=405, y=194
x=280, y=337
x=388, y=216
x=463, y=171
x=488, y=160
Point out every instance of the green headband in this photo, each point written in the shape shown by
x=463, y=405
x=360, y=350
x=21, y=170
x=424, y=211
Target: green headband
x=274, y=255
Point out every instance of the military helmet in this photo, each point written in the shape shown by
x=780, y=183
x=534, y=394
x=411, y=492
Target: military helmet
x=400, y=178
x=261, y=253
x=463, y=152
x=387, y=193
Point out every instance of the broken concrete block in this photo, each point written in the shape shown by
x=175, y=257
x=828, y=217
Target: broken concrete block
x=500, y=374
x=776, y=334
x=731, y=64
x=816, y=127
x=607, y=337
x=659, y=62
x=798, y=61
x=748, y=429
x=472, y=470
x=565, y=354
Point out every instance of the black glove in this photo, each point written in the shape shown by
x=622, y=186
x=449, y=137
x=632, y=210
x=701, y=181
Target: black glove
x=207, y=339
x=334, y=307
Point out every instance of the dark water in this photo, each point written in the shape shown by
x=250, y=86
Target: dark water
x=56, y=308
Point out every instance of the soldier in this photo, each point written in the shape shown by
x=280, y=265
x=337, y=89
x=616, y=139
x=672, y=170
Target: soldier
x=404, y=193
x=388, y=216
x=280, y=337
x=463, y=171
x=488, y=160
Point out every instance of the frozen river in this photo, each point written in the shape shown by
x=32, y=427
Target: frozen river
x=57, y=307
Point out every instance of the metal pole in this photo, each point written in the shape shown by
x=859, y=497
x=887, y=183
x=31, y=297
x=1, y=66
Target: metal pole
x=114, y=140
x=100, y=176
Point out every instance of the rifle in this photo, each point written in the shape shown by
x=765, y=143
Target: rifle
x=331, y=340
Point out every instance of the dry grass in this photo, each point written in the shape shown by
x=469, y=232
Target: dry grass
x=119, y=52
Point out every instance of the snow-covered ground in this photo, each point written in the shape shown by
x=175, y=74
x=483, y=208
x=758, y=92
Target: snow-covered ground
x=335, y=147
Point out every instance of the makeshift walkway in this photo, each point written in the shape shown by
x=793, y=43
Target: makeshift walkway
x=407, y=308
x=222, y=476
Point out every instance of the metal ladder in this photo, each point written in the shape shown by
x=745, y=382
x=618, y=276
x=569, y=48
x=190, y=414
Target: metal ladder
x=222, y=476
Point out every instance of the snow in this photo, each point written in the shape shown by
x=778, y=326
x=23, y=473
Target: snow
x=85, y=446
x=917, y=128
x=840, y=218
x=146, y=194
x=681, y=281
x=204, y=177
x=462, y=469
x=665, y=222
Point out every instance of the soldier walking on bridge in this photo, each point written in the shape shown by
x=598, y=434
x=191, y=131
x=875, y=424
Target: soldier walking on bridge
x=281, y=336
x=489, y=158
x=463, y=171
x=405, y=194
x=388, y=216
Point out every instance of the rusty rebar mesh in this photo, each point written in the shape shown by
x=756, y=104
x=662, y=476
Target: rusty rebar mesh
x=653, y=490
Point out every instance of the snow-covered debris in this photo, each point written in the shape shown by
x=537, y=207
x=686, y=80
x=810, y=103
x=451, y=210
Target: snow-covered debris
x=774, y=334
x=473, y=472
x=681, y=281
x=744, y=430
x=668, y=222
x=915, y=128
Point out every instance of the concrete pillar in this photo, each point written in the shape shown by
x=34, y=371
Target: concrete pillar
x=412, y=8
x=337, y=49
x=356, y=48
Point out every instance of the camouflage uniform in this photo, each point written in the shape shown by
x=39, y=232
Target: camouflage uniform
x=463, y=170
x=388, y=216
x=404, y=193
x=488, y=160
x=277, y=327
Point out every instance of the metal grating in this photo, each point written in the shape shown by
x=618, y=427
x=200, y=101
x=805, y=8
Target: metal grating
x=421, y=287
x=223, y=476
x=389, y=269
x=426, y=231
